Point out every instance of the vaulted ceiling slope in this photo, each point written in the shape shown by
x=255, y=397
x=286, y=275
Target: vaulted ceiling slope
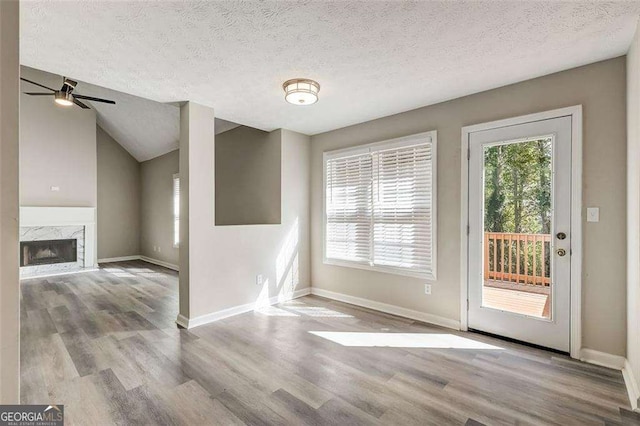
x=146, y=129
x=371, y=58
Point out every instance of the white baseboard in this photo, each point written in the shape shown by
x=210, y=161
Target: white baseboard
x=602, y=359
x=236, y=310
x=182, y=321
x=140, y=257
x=632, y=385
x=615, y=362
x=389, y=309
x=160, y=263
x=119, y=259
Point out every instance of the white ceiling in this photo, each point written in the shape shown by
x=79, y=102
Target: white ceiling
x=146, y=129
x=371, y=58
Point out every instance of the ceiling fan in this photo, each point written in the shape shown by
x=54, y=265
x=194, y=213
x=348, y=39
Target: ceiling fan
x=65, y=95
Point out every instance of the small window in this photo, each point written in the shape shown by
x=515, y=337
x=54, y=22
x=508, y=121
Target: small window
x=380, y=206
x=176, y=210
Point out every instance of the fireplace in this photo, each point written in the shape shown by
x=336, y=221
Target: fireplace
x=47, y=252
x=56, y=240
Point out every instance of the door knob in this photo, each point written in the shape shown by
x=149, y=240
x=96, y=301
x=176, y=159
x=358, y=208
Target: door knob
x=561, y=252
x=561, y=235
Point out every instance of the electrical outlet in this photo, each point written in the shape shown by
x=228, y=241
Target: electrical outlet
x=159, y=249
x=259, y=279
x=55, y=188
x=427, y=289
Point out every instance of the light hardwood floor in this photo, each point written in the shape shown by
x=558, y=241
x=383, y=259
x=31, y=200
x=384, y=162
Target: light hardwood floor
x=105, y=345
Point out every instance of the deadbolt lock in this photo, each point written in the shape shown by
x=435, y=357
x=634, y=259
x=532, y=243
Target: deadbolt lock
x=561, y=252
x=561, y=235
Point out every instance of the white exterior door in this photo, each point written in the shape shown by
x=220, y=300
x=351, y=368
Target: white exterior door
x=519, y=232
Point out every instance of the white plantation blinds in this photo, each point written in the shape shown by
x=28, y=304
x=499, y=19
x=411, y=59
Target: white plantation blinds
x=380, y=206
x=176, y=210
x=402, y=208
x=349, y=209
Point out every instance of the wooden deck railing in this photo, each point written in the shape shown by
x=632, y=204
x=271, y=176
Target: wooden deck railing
x=517, y=258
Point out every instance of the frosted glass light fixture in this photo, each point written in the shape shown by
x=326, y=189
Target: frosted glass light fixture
x=301, y=91
x=63, y=98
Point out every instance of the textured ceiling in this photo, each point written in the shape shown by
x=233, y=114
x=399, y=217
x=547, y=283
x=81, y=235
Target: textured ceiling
x=371, y=58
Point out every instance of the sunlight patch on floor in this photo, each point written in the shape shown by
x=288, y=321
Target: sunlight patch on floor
x=139, y=270
x=317, y=311
x=403, y=340
x=119, y=272
x=151, y=275
x=273, y=311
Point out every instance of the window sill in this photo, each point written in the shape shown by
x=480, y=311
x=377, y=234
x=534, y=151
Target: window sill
x=386, y=270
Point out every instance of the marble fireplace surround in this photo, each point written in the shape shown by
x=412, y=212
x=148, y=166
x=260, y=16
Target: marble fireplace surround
x=38, y=223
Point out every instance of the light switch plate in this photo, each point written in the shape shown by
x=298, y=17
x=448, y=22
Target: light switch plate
x=55, y=188
x=593, y=214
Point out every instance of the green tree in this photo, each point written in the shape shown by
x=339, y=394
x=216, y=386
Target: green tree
x=518, y=187
x=494, y=211
x=543, y=195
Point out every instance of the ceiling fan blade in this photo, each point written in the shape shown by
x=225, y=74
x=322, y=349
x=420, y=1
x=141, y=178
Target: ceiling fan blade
x=80, y=104
x=38, y=94
x=37, y=84
x=90, y=98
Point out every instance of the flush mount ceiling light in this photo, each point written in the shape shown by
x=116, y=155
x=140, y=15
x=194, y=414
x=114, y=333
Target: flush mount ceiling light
x=301, y=91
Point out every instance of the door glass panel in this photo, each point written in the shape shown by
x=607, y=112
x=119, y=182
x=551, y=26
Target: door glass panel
x=517, y=259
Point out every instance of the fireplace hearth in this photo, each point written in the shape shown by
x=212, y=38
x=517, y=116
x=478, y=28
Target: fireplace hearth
x=47, y=252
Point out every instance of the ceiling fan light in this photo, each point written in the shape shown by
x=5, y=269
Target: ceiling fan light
x=301, y=91
x=63, y=98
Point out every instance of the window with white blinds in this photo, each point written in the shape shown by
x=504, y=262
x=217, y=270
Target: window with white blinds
x=176, y=210
x=380, y=206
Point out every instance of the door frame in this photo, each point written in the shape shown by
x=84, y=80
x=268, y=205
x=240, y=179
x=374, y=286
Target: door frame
x=575, y=112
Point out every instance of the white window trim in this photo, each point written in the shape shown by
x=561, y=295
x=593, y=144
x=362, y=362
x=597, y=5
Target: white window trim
x=402, y=142
x=175, y=176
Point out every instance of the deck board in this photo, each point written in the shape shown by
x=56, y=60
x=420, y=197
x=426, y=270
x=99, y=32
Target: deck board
x=521, y=302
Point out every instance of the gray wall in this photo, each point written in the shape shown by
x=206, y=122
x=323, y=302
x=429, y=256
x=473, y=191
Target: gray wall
x=247, y=177
x=118, y=199
x=600, y=88
x=184, y=161
x=10, y=288
x=156, y=207
x=57, y=148
x=633, y=207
